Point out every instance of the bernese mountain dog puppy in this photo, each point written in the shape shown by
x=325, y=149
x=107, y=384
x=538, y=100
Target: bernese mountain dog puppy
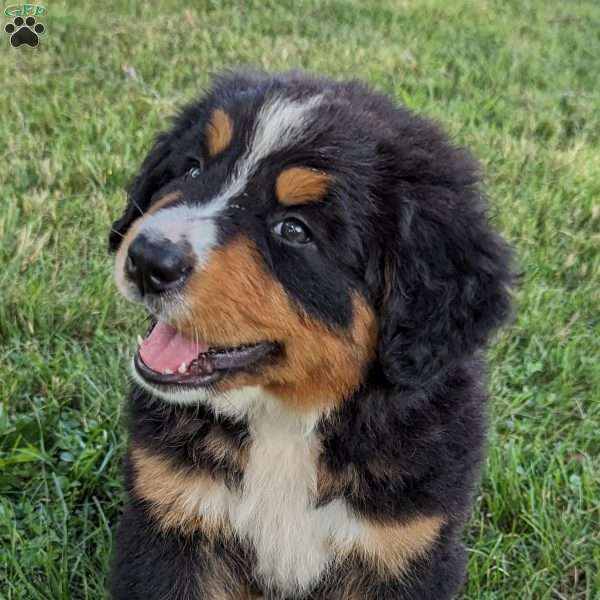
x=308, y=413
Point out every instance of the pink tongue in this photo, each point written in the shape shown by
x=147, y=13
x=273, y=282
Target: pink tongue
x=165, y=349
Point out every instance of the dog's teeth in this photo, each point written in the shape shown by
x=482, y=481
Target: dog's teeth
x=206, y=366
x=168, y=372
x=139, y=340
x=182, y=368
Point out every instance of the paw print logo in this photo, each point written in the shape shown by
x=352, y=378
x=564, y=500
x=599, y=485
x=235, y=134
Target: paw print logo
x=24, y=31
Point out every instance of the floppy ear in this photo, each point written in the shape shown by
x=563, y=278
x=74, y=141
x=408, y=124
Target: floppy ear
x=445, y=278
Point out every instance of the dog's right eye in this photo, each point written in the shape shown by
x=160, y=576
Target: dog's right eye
x=293, y=231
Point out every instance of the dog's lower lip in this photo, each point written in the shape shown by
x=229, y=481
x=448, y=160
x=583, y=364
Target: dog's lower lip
x=209, y=367
x=174, y=379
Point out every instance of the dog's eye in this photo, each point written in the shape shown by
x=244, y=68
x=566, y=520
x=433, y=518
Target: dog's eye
x=193, y=173
x=293, y=230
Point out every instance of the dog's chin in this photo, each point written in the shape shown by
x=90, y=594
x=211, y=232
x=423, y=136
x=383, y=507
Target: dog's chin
x=237, y=403
x=172, y=394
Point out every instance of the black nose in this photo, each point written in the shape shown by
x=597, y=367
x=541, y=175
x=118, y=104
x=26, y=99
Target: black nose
x=157, y=265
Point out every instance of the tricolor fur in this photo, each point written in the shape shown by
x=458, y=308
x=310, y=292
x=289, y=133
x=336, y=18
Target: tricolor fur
x=337, y=280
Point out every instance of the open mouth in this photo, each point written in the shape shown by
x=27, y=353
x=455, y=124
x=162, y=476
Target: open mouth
x=166, y=357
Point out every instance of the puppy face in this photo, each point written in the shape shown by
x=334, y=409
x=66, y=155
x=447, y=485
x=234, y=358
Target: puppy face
x=243, y=258
x=284, y=235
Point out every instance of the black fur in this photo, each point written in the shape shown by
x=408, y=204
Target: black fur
x=406, y=226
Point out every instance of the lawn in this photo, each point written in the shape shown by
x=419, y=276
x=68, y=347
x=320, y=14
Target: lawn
x=518, y=82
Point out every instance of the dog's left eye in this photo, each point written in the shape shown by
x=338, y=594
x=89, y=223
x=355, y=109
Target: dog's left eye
x=292, y=230
x=193, y=173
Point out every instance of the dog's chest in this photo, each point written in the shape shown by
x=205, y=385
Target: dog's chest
x=275, y=509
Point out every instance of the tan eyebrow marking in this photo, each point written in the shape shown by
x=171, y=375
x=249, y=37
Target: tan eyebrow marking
x=219, y=132
x=301, y=184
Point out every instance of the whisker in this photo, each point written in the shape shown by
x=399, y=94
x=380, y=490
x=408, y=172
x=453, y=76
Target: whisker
x=138, y=207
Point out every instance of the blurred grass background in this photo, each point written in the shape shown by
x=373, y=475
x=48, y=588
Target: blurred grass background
x=516, y=81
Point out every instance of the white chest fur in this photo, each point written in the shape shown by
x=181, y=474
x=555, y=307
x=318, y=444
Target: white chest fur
x=275, y=508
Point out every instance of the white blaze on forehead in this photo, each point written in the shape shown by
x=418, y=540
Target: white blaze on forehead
x=280, y=123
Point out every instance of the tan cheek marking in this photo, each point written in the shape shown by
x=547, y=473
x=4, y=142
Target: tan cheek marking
x=323, y=367
x=174, y=493
x=391, y=547
x=233, y=300
x=219, y=132
x=164, y=201
x=301, y=184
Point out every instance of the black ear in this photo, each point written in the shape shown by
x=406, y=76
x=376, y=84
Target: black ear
x=154, y=173
x=446, y=275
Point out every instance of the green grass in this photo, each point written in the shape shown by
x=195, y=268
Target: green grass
x=516, y=81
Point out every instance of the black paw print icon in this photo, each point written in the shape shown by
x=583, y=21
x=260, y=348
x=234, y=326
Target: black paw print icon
x=24, y=31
